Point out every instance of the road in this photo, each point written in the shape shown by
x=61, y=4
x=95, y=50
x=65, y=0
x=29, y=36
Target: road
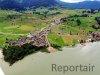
x=12, y=34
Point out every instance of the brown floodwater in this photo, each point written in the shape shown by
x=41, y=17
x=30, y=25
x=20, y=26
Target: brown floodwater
x=41, y=63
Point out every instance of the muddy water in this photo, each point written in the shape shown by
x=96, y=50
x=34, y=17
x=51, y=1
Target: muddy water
x=41, y=63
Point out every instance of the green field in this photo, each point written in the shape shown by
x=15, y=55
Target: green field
x=13, y=23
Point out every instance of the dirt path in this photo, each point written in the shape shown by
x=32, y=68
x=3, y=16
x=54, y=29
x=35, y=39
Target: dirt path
x=12, y=34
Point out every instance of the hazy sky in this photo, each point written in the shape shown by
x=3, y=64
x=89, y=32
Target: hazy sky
x=75, y=1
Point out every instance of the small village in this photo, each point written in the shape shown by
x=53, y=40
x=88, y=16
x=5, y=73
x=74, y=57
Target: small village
x=40, y=37
x=33, y=32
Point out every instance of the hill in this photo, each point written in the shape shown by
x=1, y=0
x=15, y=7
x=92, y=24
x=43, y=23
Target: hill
x=83, y=5
x=21, y=4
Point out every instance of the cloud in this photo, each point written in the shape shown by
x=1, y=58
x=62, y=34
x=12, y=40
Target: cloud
x=75, y=1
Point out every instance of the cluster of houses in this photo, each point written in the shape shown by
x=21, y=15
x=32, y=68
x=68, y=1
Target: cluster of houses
x=95, y=36
x=38, y=40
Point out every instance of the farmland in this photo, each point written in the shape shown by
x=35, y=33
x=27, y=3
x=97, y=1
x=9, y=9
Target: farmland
x=30, y=21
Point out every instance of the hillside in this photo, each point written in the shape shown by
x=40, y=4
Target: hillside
x=83, y=5
x=22, y=4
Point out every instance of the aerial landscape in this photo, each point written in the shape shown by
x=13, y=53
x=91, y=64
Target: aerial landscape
x=32, y=27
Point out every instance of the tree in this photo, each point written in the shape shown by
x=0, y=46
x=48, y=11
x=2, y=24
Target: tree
x=98, y=20
x=14, y=53
x=63, y=19
x=78, y=22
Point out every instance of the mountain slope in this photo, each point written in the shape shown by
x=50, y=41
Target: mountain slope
x=38, y=3
x=20, y=4
x=9, y=4
x=84, y=5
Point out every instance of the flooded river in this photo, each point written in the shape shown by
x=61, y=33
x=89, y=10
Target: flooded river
x=41, y=63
